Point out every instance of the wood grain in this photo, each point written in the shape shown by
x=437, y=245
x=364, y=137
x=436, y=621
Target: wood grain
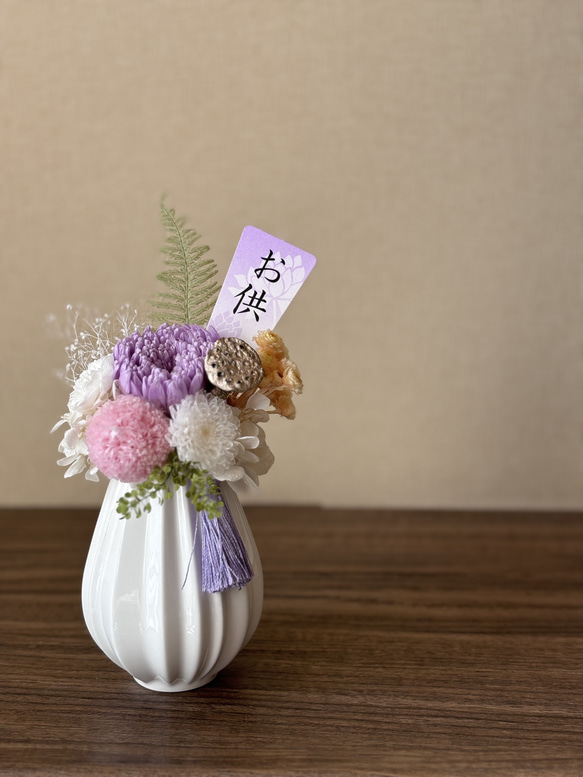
x=392, y=643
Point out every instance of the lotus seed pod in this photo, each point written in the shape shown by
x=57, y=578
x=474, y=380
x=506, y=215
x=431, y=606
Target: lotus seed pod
x=233, y=365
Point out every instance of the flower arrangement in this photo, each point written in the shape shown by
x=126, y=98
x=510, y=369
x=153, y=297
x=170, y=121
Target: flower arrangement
x=169, y=402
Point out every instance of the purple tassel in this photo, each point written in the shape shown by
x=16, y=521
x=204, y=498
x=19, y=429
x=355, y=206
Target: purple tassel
x=225, y=563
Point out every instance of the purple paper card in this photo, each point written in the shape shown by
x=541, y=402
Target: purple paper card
x=265, y=275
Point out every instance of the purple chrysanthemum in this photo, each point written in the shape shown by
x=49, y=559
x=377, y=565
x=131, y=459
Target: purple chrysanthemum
x=164, y=365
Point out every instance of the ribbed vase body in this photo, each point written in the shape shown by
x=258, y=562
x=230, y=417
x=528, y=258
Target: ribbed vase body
x=142, y=597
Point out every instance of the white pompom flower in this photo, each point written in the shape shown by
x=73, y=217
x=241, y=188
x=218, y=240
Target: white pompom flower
x=206, y=431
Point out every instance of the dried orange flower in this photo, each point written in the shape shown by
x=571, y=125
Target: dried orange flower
x=282, y=378
x=270, y=343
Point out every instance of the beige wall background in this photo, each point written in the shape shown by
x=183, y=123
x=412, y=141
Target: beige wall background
x=428, y=152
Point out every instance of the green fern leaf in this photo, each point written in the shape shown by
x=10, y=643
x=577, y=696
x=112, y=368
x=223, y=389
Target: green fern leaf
x=193, y=292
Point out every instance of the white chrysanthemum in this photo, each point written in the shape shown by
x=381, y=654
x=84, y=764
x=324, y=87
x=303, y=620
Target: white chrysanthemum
x=206, y=431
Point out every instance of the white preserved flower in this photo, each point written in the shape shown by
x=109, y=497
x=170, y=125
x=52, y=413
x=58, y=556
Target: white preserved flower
x=74, y=447
x=257, y=408
x=258, y=461
x=93, y=387
x=206, y=431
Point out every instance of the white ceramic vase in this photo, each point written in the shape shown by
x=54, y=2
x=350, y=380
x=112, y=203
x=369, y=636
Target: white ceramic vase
x=169, y=637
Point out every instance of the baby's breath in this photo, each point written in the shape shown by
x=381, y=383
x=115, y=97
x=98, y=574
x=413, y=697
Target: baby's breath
x=92, y=335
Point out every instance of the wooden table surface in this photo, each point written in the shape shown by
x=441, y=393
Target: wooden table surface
x=392, y=643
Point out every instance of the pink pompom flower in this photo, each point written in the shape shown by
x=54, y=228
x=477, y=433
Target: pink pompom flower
x=126, y=439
